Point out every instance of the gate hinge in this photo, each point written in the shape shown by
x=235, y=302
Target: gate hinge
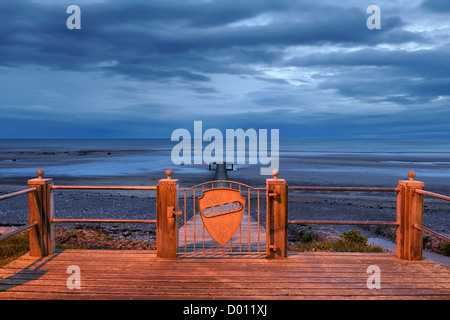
x=272, y=195
x=171, y=212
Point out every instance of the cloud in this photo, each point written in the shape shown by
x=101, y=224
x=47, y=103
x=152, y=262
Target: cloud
x=163, y=32
x=375, y=75
x=440, y=6
x=149, y=66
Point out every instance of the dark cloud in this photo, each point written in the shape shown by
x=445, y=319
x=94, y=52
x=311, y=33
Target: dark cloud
x=144, y=73
x=136, y=64
x=429, y=62
x=440, y=6
x=380, y=75
x=167, y=34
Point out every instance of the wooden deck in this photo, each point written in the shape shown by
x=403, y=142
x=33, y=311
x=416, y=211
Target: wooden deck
x=140, y=275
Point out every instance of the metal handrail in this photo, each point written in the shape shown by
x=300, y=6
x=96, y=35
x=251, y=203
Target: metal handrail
x=433, y=233
x=221, y=182
x=382, y=223
x=20, y=229
x=103, y=220
x=426, y=230
x=18, y=193
x=104, y=187
x=26, y=191
x=432, y=194
x=344, y=222
x=369, y=189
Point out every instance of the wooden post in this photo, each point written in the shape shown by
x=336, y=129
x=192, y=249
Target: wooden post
x=277, y=217
x=409, y=212
x=166, y=218
x=41, y=210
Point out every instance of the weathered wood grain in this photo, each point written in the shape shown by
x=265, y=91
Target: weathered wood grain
x=123, y=275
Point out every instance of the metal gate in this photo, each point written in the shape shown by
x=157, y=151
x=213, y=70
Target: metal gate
x=221, y=218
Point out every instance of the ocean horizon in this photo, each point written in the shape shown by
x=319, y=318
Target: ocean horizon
x=298, y=158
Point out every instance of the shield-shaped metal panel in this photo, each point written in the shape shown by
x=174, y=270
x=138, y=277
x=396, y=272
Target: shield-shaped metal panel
x=221, y=211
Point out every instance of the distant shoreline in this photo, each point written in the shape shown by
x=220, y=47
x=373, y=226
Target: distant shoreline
x=140, y=163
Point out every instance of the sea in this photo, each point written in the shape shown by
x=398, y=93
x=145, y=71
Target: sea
x=301, y=158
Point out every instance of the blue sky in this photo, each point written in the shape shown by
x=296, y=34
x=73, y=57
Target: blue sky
x=141, y=69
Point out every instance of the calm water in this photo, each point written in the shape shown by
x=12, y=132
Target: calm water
x=145, y=156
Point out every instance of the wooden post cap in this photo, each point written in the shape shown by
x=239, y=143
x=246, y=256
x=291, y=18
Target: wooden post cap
x=411, y=175
x=275, y=174
x=40, y=173
x=169, y=174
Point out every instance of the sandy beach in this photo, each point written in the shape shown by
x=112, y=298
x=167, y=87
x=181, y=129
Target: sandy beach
x=303, y=205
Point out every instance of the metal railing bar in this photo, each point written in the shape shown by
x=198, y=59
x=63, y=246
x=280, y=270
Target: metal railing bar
x=185, y=226
x=223, y=254
x=437, y=235
x=102, y=221
x=383, y=223
x=221, y=181
x=20, y=229
x=193, y=215
x=18, y=193
x=104, y=187
x=432, y=194
x=258, y=219
x=344, y=189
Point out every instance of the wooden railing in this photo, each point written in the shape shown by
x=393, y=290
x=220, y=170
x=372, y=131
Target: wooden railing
x=409, y=216
x=409, y=220
x=421, y=227
x=103, y=188
x=41, y=212
x=345, y=222
x=25, y=227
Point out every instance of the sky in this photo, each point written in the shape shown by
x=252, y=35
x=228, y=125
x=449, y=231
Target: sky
x=141, y=69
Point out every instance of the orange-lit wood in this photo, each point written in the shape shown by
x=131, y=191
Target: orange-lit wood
x=409, y=215
x=166, y=225
x=409, y=212
x=221, y=211
x=140, y=275
x=277, y=217
x=41, y=211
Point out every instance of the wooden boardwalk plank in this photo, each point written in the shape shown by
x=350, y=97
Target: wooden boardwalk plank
x=140, y=275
